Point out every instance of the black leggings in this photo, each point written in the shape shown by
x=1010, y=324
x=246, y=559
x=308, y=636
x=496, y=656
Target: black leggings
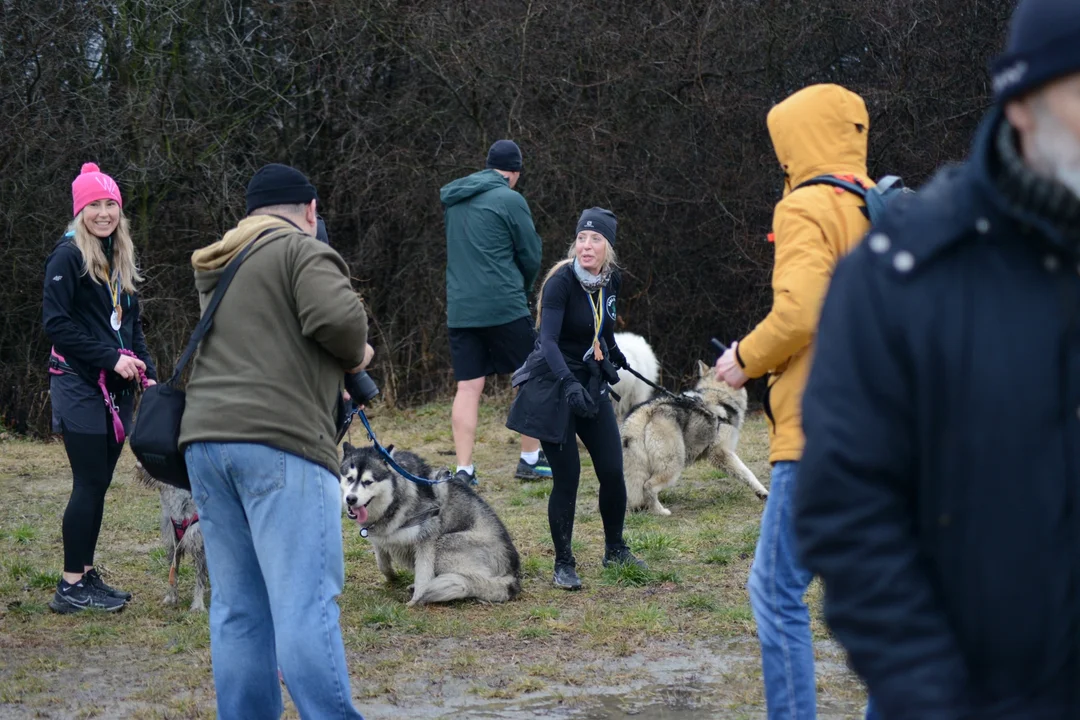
x=601, y=438
x=93, y=459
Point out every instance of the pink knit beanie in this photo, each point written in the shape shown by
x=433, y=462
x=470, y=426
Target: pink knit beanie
x=91, y=185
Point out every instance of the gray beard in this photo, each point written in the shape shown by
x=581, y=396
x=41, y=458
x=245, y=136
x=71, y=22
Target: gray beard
x=1058, y=150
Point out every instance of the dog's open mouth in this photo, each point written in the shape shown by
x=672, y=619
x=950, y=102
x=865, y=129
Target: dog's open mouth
x=357, y=513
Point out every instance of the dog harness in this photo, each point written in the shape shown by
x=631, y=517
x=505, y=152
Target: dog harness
x=179, y=528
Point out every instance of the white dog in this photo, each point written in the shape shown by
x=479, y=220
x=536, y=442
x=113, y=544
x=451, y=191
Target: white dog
x=631, y=389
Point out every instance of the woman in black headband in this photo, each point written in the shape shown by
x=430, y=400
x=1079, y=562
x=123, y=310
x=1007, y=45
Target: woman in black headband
x=565, y=386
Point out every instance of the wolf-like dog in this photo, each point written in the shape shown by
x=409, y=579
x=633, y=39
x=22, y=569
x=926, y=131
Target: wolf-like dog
x=447, y=535
x=631, y=389
x=180, y=535
x=667, y=434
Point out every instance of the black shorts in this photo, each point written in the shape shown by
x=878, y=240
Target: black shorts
x=477, y=352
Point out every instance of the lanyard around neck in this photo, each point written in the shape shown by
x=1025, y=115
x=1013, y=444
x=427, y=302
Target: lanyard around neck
x=597, y=309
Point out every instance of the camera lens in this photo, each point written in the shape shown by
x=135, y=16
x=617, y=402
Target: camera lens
x=361, y=387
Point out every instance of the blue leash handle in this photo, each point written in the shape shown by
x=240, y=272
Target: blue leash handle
x=386, y=455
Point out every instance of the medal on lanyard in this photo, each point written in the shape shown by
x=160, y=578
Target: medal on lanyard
x=597, y=322
x=117, y=314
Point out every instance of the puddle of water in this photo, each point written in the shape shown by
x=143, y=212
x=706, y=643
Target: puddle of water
x=668, y=703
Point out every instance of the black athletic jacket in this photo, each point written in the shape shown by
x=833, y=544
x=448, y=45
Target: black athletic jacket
x=563, y=350
x=75, y=312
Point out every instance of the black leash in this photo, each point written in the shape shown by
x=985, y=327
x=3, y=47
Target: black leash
x=719, y=346
x=650, y=383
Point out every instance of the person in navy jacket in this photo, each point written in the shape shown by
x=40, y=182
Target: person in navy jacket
x=939, y=491
x=90, y=310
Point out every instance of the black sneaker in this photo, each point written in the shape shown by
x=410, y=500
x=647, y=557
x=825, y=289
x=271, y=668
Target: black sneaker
x=566, y=576
x=540, y=470
x=95, y=581
x=81, y=596
x=467, y=477
x=620, y=554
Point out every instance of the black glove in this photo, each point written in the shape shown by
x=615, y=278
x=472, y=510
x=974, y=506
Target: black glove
x=617, y=357
x=579, y=401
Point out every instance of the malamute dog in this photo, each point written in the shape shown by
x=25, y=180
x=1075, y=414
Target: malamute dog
x=452, y=541
x=180, y=535
x=631, y=390
x=666, y=434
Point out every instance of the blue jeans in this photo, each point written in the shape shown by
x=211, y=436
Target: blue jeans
x=777, y=585
x=271, y=523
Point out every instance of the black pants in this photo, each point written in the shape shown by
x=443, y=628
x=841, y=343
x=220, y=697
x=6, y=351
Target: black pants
x=600, y=435
x=93, y=459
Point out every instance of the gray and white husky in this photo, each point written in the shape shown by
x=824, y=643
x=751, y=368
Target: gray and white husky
x=181, y=535
x=452, y=541
x=665, y=435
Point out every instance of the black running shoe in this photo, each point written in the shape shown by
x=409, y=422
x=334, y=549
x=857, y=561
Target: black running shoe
x=540, y=470
x=467, y=477
x=95, y=581
x=566, y=576
x=81, y=596
x=620, y=554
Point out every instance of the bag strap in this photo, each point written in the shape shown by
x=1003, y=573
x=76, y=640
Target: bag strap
x=835, y=182
x=207, y=317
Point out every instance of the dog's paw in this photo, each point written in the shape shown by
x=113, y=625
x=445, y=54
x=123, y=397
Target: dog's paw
x=171, y=599
x=197, y=606
x=663, y=511
x=763, y=496
x=411, y=589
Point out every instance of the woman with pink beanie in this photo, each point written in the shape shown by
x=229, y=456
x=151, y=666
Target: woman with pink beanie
x=91, y=314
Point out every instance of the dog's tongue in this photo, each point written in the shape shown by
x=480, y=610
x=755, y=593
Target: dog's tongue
x=361, y=514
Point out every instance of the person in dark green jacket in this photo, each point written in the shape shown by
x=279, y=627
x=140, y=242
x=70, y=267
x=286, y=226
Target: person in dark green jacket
x=492, y=260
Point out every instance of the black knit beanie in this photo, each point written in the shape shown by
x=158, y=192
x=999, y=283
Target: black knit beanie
x=277, y=184
x=1043, y=45
x=504, y=155
x=598, y=220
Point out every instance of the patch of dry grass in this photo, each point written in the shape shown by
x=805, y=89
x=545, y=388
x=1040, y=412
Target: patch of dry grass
x=694, y=590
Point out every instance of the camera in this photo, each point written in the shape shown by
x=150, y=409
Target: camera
x=362, y=389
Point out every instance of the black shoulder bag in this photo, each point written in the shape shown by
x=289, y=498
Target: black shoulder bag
x=155, y=439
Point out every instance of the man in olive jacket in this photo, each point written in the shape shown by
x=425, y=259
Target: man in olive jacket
x=259, y=436
x=492, y=260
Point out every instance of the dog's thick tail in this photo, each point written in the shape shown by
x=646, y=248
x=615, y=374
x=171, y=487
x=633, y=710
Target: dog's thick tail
x=452, y=586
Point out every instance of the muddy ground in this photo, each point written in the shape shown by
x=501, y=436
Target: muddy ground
x=678, y=642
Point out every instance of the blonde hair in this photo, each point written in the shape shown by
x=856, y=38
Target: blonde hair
x=611, y=263
x=96, y=265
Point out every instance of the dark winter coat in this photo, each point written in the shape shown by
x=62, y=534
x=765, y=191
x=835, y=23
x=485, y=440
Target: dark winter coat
x=76, y=311
x=939, y=491
x=563, y=353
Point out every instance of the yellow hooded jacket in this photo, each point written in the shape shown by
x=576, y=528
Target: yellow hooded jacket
x=819, y=130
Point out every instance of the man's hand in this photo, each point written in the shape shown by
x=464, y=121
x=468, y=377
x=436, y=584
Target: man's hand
x=369, y=353
x=728, y=370
x=150, y=382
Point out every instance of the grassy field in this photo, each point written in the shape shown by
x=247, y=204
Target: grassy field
x=678, y=636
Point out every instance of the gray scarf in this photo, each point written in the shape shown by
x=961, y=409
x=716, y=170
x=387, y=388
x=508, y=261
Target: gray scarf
x=1025, y=190
x=591, y=282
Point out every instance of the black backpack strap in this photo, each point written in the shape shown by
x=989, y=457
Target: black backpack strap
x=835, y=182
x=207, y=317
x=851, y=187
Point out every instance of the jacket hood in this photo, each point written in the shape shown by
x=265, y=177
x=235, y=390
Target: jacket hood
x=471, y=186
x=210, y=261
x=816, y=131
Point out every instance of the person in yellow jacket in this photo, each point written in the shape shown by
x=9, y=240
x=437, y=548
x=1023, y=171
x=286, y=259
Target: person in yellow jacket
x=819, y=130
